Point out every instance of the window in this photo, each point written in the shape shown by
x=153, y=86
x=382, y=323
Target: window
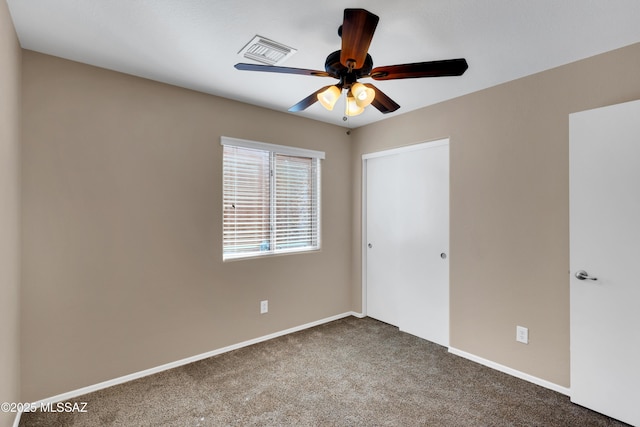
x=271, y=199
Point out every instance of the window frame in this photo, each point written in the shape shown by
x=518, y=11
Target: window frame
x=274, y=150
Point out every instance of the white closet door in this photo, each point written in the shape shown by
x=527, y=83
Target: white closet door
x=407, y=239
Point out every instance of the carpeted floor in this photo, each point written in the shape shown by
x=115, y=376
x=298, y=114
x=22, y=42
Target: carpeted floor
x=351, y=372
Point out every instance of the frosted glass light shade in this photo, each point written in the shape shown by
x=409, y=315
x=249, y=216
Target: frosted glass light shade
x=362, y=94
x=353, y=109
x=329, y=97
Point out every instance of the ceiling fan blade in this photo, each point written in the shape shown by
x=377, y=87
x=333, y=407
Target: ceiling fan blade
x=282, y=70
x=357, y=31
x=308, y=101
x=448, y=67
x=381, y=101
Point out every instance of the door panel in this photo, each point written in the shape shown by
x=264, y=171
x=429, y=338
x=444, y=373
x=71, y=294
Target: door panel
x=425, y=290
x=382, y=257
x=408, y=230
x=605, y=242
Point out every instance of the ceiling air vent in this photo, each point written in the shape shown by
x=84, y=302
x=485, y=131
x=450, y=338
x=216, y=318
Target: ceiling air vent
x=266, y=51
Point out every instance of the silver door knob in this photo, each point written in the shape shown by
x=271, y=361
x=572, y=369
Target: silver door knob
x=583, y=275
x=370, y=245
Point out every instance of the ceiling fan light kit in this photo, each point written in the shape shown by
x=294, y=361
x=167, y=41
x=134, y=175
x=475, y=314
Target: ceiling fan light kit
x=358, y=97
x=329, y=97
x=363, y=95
x=353, y=108
x=353, y=62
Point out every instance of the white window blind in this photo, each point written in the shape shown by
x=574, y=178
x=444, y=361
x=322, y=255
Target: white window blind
x=271, y=199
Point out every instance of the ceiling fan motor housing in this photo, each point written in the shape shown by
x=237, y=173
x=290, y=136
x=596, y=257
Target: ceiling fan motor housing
x=334, y=67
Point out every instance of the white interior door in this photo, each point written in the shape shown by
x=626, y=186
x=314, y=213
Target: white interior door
x=407, y=239
x=382, y=260
x=605, y=244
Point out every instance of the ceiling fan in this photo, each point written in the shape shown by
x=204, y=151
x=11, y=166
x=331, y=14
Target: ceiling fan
x=353, y=62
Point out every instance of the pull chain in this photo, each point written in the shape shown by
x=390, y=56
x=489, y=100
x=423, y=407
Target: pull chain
x=345, y=118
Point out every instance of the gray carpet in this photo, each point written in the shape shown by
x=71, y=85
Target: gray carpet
x=351, y=372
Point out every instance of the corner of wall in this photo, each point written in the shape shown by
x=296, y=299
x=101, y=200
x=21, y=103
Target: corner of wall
x=10, y=88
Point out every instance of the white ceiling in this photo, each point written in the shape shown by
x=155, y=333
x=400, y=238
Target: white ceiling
x=195, y=43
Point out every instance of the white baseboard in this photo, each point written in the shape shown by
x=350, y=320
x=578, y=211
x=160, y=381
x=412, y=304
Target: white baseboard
x=513, y=372
x=136, y=375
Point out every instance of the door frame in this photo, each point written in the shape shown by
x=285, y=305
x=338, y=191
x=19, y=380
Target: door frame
x=365, y=157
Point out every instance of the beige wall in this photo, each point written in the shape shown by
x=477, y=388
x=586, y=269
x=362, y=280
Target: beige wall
x=9, y=212
x=509, y=205
x=121, y=216
x=122, y=227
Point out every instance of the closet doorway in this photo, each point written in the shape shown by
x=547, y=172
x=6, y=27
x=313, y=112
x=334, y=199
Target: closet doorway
x=406, y=238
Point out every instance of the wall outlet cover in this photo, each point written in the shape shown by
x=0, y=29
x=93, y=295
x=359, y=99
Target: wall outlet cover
x=522, y=334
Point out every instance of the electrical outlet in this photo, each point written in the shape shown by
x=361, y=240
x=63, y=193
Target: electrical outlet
x=264, y=307
x=522, y=334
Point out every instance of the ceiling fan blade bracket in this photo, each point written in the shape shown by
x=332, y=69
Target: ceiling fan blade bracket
x=378, y=75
